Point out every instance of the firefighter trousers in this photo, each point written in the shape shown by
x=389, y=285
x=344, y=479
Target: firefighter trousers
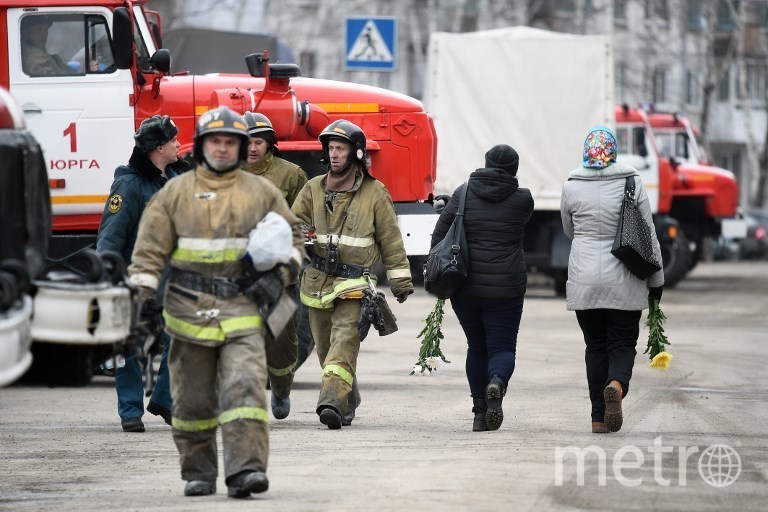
x=338, y=343
x=282, y=354
x=225, y=386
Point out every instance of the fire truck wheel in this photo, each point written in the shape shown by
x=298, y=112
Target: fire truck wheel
x=676, y=255
x=8, y=291
x=18, y=271
x=114, y=266
x=94, y=270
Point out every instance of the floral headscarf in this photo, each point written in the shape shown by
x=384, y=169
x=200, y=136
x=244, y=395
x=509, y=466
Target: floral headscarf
x=600, y=148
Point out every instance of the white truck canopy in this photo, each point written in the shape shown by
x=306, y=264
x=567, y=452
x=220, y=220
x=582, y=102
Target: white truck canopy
x=536, y=90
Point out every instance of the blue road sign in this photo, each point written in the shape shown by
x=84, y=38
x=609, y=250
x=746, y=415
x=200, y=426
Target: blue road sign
x=370, y=43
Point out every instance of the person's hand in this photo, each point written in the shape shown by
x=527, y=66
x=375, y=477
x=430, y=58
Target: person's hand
x=402, y=297
x=656, y=292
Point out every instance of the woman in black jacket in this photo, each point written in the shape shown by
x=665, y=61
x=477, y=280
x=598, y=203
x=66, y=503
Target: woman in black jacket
x=489, y=305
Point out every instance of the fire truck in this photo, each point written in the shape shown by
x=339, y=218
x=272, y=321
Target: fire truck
x=705, y=197
x=695, y=200
x=100, y=70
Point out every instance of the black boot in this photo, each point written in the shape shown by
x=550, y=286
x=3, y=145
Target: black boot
x=479, y=407
x=494, y=392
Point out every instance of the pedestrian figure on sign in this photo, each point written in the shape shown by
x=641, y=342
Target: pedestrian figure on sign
x=369, y=44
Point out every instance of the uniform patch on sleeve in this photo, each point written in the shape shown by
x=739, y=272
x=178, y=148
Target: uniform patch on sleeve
x=115, y=203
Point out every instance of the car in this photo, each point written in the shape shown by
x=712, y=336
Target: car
x=755, y=244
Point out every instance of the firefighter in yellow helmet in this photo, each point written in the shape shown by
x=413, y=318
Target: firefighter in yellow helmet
x=263, y=159
x=200, y=223
x=355, y=224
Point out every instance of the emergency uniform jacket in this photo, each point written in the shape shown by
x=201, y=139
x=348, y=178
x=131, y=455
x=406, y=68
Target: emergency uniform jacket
x=363, y=224
x=38, y=62
x=134, y=186
x=287, y=176
x=200, y=222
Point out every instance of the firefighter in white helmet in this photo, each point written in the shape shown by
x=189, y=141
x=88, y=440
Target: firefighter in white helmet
x=200, y=223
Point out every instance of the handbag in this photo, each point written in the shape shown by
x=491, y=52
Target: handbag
x=447, y=263
x=633, y=245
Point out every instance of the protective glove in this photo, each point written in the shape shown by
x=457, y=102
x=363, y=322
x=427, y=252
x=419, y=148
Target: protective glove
x=266, y=288
x=656, y=292
x=150, y=312
x=402, y=297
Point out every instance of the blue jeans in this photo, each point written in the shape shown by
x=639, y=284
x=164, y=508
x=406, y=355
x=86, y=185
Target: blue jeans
x=491, y=327
x=130, y=385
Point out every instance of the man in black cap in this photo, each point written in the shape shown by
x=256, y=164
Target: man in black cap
x=35, y=60
x=154, y=161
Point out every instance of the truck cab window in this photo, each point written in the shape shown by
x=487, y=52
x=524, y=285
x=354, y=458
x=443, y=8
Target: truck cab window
x=65, y=45
x=100, y=59
x=142, y=54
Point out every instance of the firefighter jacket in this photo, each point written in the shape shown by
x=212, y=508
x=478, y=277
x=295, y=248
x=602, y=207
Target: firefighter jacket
x=362, y=223
x=200, y=223
x=287, y=176
x=134, y=186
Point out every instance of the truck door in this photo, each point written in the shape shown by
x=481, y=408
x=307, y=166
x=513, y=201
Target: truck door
x=77, y=104
x=636, y=150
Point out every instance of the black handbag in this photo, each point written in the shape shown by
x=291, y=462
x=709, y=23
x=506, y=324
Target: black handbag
x=633, y=245
x=447, y=263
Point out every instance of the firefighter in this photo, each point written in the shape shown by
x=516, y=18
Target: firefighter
x=200, y=223
x=264, y=160
x=35, y=59
x=155, y=159
x=355, y=224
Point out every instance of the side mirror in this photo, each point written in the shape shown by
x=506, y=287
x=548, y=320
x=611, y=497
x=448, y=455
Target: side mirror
x=674, y=162
x=161, y=60
x=122, y=44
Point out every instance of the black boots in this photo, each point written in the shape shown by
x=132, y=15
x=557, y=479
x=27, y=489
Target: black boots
x=479, y=407
x=494, y=392
x=246, y=482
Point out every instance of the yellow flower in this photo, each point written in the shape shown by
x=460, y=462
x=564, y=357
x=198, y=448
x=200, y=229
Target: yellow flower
x=661, y=361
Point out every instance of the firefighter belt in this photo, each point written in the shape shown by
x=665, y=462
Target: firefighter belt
x=342, y=269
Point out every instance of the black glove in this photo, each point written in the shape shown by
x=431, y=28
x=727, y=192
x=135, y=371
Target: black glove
x=266, y=288
x=150, y=312
x=656, y=292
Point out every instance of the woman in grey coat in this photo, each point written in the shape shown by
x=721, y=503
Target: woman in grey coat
x=607, y=298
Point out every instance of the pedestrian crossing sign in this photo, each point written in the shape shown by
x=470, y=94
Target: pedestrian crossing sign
x=370, y=44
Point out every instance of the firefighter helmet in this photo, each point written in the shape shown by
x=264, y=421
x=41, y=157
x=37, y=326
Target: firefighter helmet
x=220, y=120
x=259, y=125
x=348, y=132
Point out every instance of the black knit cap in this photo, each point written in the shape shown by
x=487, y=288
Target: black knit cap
x=502, y=157
x=153, y=132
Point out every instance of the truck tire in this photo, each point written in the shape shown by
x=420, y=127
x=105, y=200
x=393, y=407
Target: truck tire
x=676, y=257
x=18, y=270
x=114, y=266
x=61, y=365
x=8, y=291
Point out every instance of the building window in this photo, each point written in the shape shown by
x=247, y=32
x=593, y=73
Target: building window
x=621, y=82
x=755, y=81
x=656, y=9
x=724, y=86
x=307, y=63
x=694, y=15
x=659, y=86
x=693, y=89
x=620, y=11
x=725, y=19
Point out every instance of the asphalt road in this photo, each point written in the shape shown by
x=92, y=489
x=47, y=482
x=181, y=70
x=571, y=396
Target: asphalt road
x=694, y=437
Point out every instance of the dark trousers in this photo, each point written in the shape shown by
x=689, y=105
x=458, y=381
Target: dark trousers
x=490, y=326
x=611, y=337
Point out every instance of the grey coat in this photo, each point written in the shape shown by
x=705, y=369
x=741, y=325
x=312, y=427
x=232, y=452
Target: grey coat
x=589, y=207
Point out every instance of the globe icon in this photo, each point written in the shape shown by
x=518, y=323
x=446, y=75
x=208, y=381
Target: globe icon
x=719, y=465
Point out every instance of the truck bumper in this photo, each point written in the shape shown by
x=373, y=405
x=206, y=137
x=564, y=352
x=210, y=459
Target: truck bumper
x=15, y=340
x=81, y=313
x=417, y=222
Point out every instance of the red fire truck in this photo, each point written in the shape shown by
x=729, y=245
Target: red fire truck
x=86, y=73
x=695, y=200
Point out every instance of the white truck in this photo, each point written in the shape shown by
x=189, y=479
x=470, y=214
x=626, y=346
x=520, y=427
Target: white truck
x=537, y=91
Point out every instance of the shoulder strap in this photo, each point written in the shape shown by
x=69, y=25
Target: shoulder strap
x=458, y=232
x=462, y=199
x=629, y=190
